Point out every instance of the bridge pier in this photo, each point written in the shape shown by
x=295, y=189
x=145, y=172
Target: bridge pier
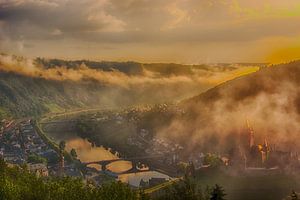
x=134, y=165
x=103, y=168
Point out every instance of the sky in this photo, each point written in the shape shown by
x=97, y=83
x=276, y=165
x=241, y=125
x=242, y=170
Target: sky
x=178, y=31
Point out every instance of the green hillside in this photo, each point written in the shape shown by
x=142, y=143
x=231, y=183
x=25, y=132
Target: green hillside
x=25, y=96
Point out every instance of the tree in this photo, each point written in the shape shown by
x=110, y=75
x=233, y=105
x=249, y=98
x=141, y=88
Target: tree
x=217, y=193
x=83, y=129
x=186, y=189
x=143, y=195
x=213, y=160
x=17, y=183
x=3, y=165
x=181, y=167
x=62, y=146
x=34, y=158
x=207, y=193
x=73, y=153
x=115, y=191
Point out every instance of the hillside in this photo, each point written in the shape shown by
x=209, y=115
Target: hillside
x=33, y=87
x=268, y=80
x=135, y=68
x=25, y=96
x=269, y=99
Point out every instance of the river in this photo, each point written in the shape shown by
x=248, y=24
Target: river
x=88, y=153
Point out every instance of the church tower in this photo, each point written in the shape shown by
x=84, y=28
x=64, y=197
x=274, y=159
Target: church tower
x=265, y=151
x=251, y=134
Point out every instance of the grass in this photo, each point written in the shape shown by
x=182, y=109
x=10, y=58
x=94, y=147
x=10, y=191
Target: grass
x=53, y=108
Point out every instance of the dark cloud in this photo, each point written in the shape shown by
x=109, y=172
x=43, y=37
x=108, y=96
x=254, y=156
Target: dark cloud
x=131, y=22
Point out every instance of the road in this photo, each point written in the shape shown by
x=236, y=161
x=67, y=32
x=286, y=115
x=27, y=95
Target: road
x=161, y=186
x=72, y=112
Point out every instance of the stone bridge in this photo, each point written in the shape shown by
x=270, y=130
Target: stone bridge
x=134, y=161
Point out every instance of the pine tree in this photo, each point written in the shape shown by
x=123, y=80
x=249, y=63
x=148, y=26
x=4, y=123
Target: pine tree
x=217, y=193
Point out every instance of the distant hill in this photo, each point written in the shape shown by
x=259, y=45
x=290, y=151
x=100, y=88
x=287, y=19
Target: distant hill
x=269, y=99
x=33, y=87
x=135, y=68
x=268, y=80
x=24, y=96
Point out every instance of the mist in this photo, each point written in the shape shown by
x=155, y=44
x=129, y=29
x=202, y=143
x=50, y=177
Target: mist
x=216, y=120
x=110, y=85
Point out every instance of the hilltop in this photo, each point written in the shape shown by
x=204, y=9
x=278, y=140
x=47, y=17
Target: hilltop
x=34, y=87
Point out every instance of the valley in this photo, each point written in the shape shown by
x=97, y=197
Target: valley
x=149, y=100
x=155, y=145
x=237, y=184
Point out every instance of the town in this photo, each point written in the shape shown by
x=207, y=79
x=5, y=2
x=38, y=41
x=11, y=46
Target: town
x=24, y=144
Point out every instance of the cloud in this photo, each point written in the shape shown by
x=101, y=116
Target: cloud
x=214, y=121
x=136, y=26
x=66, y=16
x=168, y=82
x=209, y=75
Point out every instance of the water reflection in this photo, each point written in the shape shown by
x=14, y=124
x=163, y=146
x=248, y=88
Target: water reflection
x=135, y=178
x=95, y=166
x=120, y=166
x=87, y=153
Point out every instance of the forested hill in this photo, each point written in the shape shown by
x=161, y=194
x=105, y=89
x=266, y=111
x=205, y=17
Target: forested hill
x=33, y=87
x=271, y=80
x=24, y=96
x=135, y=68
x=268, y=99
